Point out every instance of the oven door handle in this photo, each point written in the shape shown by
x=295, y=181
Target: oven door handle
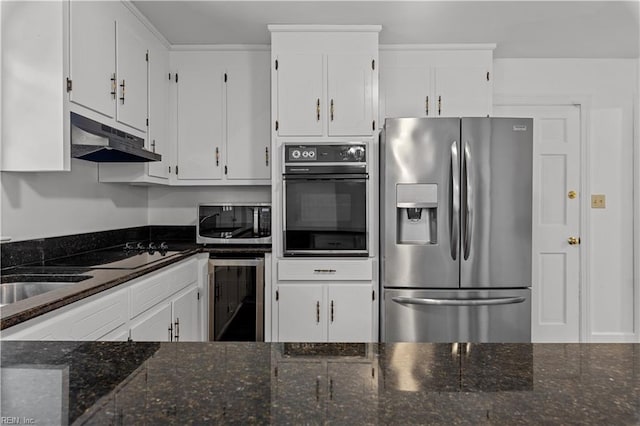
x=352, y=177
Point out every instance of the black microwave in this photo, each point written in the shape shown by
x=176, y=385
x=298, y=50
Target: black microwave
x=234, y=223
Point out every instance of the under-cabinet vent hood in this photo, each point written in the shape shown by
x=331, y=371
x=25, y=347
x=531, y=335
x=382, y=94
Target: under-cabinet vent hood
x=97, y=142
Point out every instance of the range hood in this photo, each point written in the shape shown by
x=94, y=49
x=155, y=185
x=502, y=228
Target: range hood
x=93, y=141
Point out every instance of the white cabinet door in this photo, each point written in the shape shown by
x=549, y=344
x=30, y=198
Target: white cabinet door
x=299, y=98
x=350, y=92
x=186, y=316
x=93, y=56
x=132, y=77
x=462, y=91
x=200, y=95
x=248, y=112
x=158, y=133
x=405, y=91
x=155, y=326
x=350, y=312
x=301, y=317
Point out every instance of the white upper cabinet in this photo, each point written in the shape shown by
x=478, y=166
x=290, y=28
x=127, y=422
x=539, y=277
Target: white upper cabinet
x=324, y=80
x=108, y=63
x=222, y=118
x=158, y=134
x=350, y=93
x=301, y=105
x=248, y=142
x=200, y=106
x=427, y=81
x=132, y=54
x=33, y=53
x=92, y=68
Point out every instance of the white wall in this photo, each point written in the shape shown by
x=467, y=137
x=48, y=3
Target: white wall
x=610, y=85
x=177, y=205
x=39, y=205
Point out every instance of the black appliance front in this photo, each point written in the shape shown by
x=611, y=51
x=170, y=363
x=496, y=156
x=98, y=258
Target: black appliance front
x=325, y=200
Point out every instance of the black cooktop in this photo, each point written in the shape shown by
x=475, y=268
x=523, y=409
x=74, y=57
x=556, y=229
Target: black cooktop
x=128, y=256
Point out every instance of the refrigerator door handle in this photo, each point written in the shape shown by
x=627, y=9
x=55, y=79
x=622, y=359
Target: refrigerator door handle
x=468, y=202
x=458, y=302
x=455, y=201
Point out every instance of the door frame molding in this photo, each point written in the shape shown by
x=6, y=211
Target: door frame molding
x=584, y=103
x=636, y=207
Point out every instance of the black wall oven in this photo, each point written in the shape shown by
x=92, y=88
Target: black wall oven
x=325, y=200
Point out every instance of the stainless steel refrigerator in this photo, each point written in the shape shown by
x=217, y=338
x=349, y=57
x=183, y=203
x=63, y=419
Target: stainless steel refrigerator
x=456, y=198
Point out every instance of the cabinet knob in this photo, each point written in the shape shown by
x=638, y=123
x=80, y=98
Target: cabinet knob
x=573, y=241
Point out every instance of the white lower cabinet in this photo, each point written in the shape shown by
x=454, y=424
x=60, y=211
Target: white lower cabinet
x=166, y=305
x=155, y=326
x=329, y=312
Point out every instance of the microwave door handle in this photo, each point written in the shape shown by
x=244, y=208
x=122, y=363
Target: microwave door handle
x=255, y=221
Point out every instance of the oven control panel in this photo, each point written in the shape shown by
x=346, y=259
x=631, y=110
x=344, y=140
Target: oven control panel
x=351, y=153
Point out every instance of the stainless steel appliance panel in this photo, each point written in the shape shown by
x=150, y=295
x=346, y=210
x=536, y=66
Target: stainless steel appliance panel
x=420, y=189
x=457, y=316
x=236, y=299
x=496, y=202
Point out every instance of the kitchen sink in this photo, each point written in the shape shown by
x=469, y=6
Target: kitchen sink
x=19, y=287
x=14, y=292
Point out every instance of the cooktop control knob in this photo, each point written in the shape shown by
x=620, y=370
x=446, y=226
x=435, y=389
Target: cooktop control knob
x=295, y=153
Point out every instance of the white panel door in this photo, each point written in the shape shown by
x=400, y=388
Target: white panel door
x=462, y=91
x=301, y=314
x=93, y=56
x=350, y=94
x=405, y=92
x=350, y=312
x=201, y=103
x=132, y=77
x=155, y=326
x=158, y=132
x=186, y=317
x=555, y=289
x=299, y=95
x=248, y=116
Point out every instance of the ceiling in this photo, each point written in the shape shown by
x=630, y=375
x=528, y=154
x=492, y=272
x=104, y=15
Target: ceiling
x=521, y=29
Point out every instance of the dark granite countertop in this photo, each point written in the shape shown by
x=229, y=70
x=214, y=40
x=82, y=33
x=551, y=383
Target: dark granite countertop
x=279, y=383
x=98, y=280
x=94, y=280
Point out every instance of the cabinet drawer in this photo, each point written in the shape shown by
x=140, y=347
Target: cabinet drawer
x=325, y=270
x=95, y=319
x=155, y=289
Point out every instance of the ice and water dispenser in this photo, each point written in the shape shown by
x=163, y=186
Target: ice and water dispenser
x=417, y=213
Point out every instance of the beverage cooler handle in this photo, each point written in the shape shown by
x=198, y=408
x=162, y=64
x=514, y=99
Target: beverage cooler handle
x=458, y=302
x=468, y=202
x=455, y=201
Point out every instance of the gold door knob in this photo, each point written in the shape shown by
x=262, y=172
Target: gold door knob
x=573, y=241
x=572, y=195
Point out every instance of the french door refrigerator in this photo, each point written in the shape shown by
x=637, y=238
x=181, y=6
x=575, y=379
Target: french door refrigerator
x=456, y=197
